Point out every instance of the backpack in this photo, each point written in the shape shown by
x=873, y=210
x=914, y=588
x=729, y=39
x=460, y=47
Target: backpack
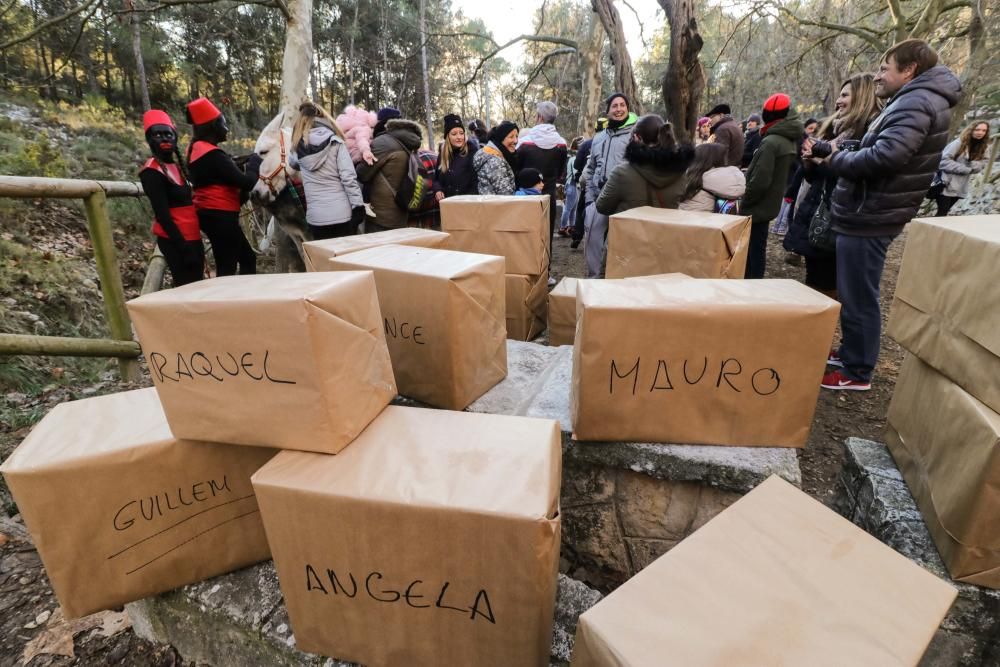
x=414, y=187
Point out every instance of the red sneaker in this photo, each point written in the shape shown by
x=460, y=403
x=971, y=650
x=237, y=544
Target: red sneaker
x=836, y=380
x=834, y=360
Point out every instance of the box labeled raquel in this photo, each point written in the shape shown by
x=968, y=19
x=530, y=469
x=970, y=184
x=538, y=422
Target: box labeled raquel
x=432, y=540
x=292, y=361
x=443, y=319
x=945, y=305
x=646, y=241
x=515, y=227
x=318, y=253
x=947, y=445
x=804, y=587
x=120, y=509
x=683, y=361
x=526, y=305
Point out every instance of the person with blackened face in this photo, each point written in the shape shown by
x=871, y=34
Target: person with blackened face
x=220, y=188
x=175, y=222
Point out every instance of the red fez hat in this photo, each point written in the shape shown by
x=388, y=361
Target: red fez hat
x=155, y=117
x=201, y=111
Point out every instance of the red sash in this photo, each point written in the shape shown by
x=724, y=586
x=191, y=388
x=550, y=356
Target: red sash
x=185, y=217
x=217, y=197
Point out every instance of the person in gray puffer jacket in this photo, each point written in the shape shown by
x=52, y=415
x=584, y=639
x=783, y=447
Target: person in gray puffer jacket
x=880, y=188
x=334, y=204
x=607, y=151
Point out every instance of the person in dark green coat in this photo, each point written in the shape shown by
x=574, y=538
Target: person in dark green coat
x=767, y=175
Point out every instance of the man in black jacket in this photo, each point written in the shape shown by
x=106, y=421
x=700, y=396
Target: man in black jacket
x=881, y=186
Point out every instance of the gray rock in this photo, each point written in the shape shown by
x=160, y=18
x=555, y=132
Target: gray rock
x=527, y=364
x=240, y=619
x=874, y=496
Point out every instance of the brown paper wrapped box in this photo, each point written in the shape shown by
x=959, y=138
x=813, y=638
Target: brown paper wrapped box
x=715, y=362
x=432, y=540
x=292, y=361
x=947, y=445
x=646, y=241
x=775, y=579
x=318, y=253
x=562, y=308
x=120, y=510
x=443, y=315
x=526, y=305
x=515, y=227
x=946, y=302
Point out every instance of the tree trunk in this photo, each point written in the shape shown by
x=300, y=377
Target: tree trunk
x=426, y=75
x=297, y=59
x=140, y=65
x=350, y=53
x=590, y=76
x=975, y=65
x=684, y=81
x=620, y=58
x=256, y=111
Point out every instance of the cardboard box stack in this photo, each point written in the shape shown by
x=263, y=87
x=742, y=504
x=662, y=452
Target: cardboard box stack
x=562, y=307
x=318, y=253
x=293, y=361
x=120, y=509
x=518, y=229
x=804, y=587
x=699, y=361
x=432, y=540
x=443, y=314
x=647, y=241
x=944, y=420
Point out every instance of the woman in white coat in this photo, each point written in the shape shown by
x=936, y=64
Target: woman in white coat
x=334, y=204
x=710, y=181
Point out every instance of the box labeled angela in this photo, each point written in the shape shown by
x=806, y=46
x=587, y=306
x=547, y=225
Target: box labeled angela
x=713, y=362
x=443, y=317
x=432, y=540
x=292, y=361
x=120, y=509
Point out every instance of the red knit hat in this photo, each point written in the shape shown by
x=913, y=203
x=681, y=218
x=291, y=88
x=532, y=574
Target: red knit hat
x=156, y=117
x=776, y=107
x=201, y=111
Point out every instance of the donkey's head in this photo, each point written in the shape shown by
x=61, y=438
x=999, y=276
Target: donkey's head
x=274, y=147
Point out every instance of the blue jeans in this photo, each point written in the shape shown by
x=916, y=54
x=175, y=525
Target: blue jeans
x=860, y=260
x=569, y=206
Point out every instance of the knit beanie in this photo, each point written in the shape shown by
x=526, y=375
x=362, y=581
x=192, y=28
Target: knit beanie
x=704, y=120
x=388, y=113
x=528, y=178
x=754, y=118
x=500, y=132
x=611, y=98
x=451, y=121
x=776, y=107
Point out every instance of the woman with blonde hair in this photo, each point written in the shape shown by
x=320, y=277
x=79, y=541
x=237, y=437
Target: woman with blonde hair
x=454, y=174
x=856, y=107
x=962, y=158
x=334, y=205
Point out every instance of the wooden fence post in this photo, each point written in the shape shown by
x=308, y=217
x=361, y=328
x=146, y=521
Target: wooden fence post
x=99, y=226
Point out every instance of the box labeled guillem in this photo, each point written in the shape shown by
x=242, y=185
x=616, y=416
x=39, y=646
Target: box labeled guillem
x=443, y=314
x=432, y=540
x=120, y=509
x=292, y=361
x=714, y=362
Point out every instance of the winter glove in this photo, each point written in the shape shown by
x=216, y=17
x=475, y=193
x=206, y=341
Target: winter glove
x=252, y=167
x=357, y=215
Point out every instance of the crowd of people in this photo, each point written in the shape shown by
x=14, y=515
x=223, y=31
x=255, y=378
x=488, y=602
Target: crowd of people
x=840, y=189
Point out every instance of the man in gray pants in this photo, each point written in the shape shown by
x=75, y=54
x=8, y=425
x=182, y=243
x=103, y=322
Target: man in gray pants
x=606, y=152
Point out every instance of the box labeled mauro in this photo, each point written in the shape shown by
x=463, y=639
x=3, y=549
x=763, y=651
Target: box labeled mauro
x=714, y=362
x=804, y=587
x=515, y=227
x=292, y=361
x=646, y=241
x=432, y=540
x=318, y=253
x=526, y=305
x=120, y=509
x=443, y=317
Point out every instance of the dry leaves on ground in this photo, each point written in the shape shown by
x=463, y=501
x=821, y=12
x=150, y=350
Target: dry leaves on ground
x=57, y=637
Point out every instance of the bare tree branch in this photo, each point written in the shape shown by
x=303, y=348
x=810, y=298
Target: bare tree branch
x=549, y=39
x=48, y=24
x=867, y=34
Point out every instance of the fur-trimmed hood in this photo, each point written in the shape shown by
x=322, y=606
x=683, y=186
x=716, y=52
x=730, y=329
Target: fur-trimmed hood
x=657, y=165
x=407, y=131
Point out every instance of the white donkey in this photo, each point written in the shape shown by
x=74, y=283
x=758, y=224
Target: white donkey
x=276, y=193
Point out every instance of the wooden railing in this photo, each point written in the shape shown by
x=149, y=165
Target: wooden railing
x=94, y=195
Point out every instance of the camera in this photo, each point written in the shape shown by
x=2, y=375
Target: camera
x=850, y=145
x=822, y=149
